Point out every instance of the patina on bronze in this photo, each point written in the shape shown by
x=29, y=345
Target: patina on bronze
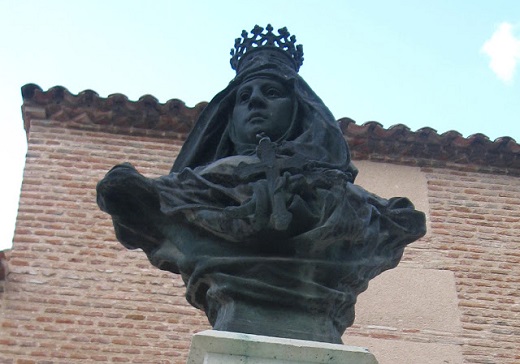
x=259, y=213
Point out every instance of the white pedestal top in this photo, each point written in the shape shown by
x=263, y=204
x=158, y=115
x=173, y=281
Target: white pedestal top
x=222, y=347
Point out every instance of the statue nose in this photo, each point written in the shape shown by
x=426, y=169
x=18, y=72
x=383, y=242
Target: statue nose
x=256, y=100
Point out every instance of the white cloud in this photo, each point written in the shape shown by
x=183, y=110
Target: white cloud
x=504, y=50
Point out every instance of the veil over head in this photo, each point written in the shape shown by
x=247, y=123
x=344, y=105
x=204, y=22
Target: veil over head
x=314, y=133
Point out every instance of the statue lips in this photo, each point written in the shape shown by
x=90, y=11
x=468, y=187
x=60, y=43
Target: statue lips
x=257, y=118
x=257, y=122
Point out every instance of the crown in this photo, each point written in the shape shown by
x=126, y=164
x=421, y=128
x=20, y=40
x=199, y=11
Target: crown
x=283, y=42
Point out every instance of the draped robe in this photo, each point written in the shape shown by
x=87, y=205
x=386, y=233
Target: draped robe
x=215, y=219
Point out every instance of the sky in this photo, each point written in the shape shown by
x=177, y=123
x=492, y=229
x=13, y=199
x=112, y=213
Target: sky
x=444, y=64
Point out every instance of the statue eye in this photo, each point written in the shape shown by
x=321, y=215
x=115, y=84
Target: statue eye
x=244, y=96
x=273, y=92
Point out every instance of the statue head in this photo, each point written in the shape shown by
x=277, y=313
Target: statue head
x=263, y=107
x=266, y=98
x=264, y=103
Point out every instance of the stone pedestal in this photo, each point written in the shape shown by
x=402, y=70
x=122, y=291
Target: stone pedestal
x=222, y=347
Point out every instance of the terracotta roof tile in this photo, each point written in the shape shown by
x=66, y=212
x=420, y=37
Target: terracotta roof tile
x=59, y=104
x=367, y=140
x=399, y=141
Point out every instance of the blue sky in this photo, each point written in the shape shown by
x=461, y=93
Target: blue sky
x=448, y=65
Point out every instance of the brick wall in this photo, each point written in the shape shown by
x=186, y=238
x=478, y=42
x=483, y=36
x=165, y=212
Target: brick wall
x=75, y=295
x=475, y=227
x=473, y=233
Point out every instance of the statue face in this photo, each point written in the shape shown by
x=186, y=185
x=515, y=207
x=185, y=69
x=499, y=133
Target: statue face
x=263, y=106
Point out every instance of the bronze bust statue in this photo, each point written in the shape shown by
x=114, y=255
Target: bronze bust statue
x=259, y=213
